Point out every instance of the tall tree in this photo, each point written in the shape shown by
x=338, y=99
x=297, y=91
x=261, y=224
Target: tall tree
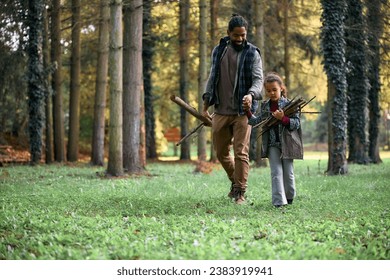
x=214, y=4
x=184, y=20
x=375, y=29
x=357, y=83
x=286, y=37
x=97, y=157
x=74, y=102
x=36, y=84
x=259, y=42
x=115, y=150
x=56, y=57
x=202, y=74
x=333, y=47
x=133, y=87
x=147, y=59
x=48, y=97
x=214, y=12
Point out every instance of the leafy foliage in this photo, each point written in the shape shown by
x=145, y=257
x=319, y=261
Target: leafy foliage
x=71, y=212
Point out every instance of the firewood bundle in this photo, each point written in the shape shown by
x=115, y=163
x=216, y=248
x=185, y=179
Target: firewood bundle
x=295, y=105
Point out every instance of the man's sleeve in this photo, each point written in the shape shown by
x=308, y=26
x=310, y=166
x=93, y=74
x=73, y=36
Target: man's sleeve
x=257, y=78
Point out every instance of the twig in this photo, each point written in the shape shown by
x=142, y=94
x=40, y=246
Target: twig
x=191, y=132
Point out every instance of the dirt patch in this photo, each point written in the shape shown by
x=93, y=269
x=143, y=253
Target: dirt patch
x=317, y=147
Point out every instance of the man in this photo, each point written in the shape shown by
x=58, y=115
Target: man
x=235, y=83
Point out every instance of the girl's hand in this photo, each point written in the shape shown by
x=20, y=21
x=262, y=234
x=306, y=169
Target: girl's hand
x=278, y=114
x=247, y=102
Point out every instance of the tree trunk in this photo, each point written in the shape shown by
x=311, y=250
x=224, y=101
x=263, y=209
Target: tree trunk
x=357, y=84
x=259, y=41
x=202, y=75
x=214, y=4
x=375, y=30
x=333, y=47
x=147, y=58
x=286, y=7
x=48, y=104
x=337, y=163
x=58, y=111
x=74, y=102
x=133, y=86
x=36, y=83
x=183, y=53
x=97, y=157
x=115, y=153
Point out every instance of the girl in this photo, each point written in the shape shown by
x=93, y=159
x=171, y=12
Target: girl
x=282, y=142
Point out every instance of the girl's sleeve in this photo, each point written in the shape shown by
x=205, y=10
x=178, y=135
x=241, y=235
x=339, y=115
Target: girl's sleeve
x=295, y=122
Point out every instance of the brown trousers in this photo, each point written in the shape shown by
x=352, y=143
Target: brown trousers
x=228, y=132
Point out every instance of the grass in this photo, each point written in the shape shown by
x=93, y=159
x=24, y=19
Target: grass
x=72, y=212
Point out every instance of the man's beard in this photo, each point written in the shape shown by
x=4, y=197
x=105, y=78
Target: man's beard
x=237, y=47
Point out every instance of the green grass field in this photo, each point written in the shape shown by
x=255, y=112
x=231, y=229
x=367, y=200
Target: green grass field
x=73, y=212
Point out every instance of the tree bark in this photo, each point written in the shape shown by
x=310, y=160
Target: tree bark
x=36, y=83
x=97, y=157
x=375, y=30
x=286, y=7
x=74, y=102
x=259, y=41
x=133, y=88
x=183, y=53
x=56, y=57
x=48, y=103
x=214, y=12
x=333, y=47
x=147, y=58
x=357, y=84
x=115, y=153
x=337, y=161
x=202, y=74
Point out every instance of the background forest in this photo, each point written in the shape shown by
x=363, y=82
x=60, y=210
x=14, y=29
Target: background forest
x=177, y=39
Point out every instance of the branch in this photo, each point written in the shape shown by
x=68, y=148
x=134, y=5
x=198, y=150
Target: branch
x=191, y=110
x=189, y=134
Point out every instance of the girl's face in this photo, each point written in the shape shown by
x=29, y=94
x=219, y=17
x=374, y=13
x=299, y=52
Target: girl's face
x=273, y=90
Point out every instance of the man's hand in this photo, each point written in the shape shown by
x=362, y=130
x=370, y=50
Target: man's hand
x=206, y=114
x=247, y=102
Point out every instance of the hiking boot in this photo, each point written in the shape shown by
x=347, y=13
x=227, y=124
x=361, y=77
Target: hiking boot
x=240, y=199
x=231, y=193
x=239, y=196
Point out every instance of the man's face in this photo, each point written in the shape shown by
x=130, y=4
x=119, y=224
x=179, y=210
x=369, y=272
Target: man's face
x=237, y=36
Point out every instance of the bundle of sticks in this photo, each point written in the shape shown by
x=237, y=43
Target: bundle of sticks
x=296, y=104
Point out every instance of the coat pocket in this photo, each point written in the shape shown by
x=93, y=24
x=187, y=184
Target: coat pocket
x=292, y=146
